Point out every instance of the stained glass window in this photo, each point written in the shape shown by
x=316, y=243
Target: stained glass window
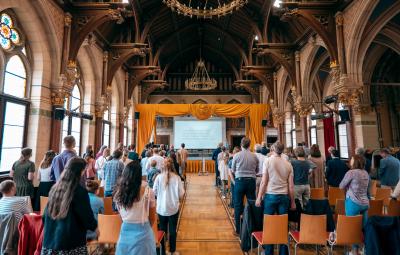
x=9, y=35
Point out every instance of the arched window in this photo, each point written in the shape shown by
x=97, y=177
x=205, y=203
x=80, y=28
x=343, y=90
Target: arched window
x=14, y=104
x=313, y=129
x=106, y=128
x=290, y=130
x=342, y=136
x=72, y=123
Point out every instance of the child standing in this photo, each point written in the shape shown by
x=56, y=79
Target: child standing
x=224, y=172
x=152, y=174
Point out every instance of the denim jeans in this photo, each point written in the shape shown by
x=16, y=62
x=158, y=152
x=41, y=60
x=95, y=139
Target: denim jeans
x=353, y=209
x=276, y=204
x=243, y=187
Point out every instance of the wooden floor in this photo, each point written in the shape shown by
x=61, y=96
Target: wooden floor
x=204, y=226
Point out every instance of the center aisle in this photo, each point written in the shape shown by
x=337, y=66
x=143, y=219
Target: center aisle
x=204, y=226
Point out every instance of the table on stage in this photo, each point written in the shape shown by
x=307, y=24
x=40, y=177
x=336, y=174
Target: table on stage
x=195, y=166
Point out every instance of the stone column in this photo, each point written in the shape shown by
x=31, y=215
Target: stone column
x=304, y=128
x=66, y=41
x=298, y=76
x=57, y=100
x=104, y=75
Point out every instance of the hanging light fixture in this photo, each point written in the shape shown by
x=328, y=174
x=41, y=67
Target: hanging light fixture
x=206, y=11
x=200, y=79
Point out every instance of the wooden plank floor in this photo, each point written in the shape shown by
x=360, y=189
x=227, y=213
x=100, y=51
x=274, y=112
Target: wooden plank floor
x=204, y=226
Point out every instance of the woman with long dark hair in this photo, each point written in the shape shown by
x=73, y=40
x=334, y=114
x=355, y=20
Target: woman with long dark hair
x=169, y=189
x=68, y=215
x=136, y=204
x=22, y=172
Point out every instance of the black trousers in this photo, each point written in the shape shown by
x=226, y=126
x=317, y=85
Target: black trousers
x=168, y=225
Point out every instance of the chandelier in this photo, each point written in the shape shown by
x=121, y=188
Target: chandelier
x=200, y=79
x=206, y=10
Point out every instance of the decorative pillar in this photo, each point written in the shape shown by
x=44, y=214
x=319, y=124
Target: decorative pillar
x=352, y=135
x=100, y=108
x=298, y=77
x=57, y=100
x=66, y=41
x=104, y=75
x=121, y=138
x=304, y=128
x=275, y=87
x=340, y=43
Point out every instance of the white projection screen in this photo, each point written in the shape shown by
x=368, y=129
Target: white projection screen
x=199, y=134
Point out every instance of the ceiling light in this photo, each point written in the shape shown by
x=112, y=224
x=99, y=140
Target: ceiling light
x=278, y=3
x=256, y=37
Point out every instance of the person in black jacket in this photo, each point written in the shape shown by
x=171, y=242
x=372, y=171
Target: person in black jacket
x=68, y=214
x=215, y=158
x=335, y=169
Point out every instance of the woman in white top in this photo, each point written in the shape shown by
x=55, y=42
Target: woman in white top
x=136, y=204
x=99, y=165
x=168, y=189
x=224, y=171
x=43, y=177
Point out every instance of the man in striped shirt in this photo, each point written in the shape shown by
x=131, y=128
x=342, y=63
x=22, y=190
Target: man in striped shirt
x=10, y=203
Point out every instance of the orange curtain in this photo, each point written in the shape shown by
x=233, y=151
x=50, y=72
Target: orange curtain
x=254, y=114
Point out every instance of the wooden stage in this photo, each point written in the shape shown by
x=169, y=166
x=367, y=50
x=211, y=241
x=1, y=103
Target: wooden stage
x=204, y=227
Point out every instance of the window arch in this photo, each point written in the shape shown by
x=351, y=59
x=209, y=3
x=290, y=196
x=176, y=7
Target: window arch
x=106, y=128
x=14, y=104
x=290, y=129
x=72, y=124
x=342, y=132
x=313, y=129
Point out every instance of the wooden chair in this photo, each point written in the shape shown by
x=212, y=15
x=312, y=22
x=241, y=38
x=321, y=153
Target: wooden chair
x=373, y=187
x=100, y=192
x=312, y=231
x=108, y=209
x=109, y=228
x=384, y=194
x=43, y=203
x=334, y=194
x=317, y=193
x=375, y=207
x=275, y=231
x=348, y=231
x=394, y=208
x=339, y=207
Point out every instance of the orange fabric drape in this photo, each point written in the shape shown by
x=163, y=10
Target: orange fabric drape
x=255, y=113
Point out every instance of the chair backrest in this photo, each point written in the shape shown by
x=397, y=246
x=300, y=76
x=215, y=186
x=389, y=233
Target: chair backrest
x=317, y=193
x=349, y=230
x=109, y=228
x=373, y=187
x=334, y=194
x=375, y=207
x=384, y=194
x=394, y=208
x=108, y=210
x=100, y=192
x=313, y=229
x=339, y=207
x=43, y=203
x=275, y=229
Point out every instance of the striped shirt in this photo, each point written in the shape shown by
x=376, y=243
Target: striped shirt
x=18, y=205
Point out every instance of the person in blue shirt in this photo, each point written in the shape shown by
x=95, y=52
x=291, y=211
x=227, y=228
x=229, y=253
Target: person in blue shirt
x=96, y=203
x=112, y=171
x=389, y=169
x=59, y=161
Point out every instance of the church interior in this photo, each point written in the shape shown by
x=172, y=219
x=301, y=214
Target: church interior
x=142, y=75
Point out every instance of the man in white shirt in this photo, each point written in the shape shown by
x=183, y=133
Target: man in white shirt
x=156, y=156
x=261, y=158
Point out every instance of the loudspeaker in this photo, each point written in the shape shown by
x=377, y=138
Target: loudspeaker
x=137, y=115
x=59, y=113
x=264, y=123
x=344, y=115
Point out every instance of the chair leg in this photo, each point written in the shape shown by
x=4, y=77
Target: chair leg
x=258, y=249
x=288, y=247
x=251, y=244
x=295, y=249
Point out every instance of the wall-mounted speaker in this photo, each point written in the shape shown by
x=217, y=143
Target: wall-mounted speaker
x=344, y=115
x=137, y=115
x=264, y=123
x=59, y=113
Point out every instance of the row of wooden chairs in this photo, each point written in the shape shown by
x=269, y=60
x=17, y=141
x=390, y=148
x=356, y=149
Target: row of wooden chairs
x=312, y=231
x=376, y=208
x=337, y=193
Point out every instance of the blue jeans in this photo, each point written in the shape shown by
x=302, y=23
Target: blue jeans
x=243, y=187
x=354, y=209
x=276, y=204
